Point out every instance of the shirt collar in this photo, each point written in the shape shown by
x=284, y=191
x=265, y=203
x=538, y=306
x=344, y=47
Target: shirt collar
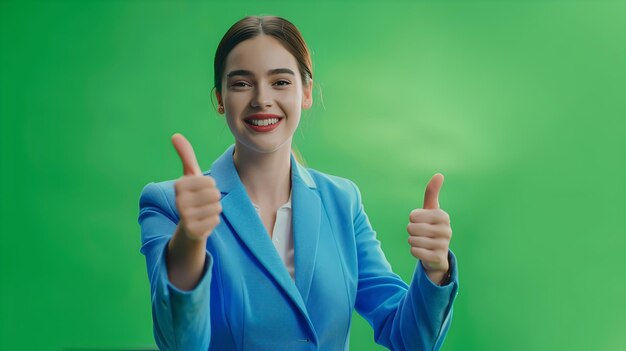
x=285, y=205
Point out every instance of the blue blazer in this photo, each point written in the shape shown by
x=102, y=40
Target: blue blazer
x=246, y=299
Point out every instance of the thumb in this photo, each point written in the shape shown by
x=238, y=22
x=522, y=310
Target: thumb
x=431, y=197
x=185, y=151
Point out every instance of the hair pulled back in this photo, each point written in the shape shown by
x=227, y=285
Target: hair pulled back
x=251, y=26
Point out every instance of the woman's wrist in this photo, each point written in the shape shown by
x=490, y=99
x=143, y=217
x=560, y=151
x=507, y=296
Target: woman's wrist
x=185, y=260
x=439, y=278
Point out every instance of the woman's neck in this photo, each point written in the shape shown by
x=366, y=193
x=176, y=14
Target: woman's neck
x=266, y=176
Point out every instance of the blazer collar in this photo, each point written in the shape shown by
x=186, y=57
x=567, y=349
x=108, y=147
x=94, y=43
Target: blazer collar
x=238, y=210
x=225, y=174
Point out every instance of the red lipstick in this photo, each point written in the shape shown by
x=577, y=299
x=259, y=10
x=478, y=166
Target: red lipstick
x=263, y=122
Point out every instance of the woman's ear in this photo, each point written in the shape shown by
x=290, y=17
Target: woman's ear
x=307, y=95
x=220, y=103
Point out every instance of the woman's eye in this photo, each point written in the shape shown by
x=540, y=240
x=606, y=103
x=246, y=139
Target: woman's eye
x=282, y=82
x=240, y=84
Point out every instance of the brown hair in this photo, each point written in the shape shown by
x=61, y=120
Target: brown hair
x=251, y=26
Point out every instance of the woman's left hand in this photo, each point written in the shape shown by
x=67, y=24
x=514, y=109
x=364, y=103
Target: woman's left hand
x=430, y=232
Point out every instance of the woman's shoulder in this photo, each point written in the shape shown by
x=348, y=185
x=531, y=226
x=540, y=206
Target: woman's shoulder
x=334, y=185
x=159, y=194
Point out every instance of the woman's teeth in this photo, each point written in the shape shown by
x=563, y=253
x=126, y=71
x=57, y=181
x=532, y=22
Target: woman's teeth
x=263, y=122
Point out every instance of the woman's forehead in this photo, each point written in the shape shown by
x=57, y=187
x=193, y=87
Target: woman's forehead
x=260, y=54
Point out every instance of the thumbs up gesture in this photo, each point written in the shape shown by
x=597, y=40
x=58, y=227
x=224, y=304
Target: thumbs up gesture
x=430, y=233
x=197, y=196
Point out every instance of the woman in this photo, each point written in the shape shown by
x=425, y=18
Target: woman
x=261, y=253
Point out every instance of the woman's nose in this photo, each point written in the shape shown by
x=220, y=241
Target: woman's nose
x=262, y=97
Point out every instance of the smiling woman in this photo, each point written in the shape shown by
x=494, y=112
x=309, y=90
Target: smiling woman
x=261, y=122
x=261, y=86
x=261, y=253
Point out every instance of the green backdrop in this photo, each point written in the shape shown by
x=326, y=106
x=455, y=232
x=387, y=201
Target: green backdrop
x=520, y=104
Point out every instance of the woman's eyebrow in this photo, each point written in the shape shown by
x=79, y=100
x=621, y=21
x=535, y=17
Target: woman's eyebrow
x=281, y=70
x=244, y=72
x=239, y=72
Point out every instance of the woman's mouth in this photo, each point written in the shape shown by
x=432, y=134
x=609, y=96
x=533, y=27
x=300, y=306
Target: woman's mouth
x=263, y=123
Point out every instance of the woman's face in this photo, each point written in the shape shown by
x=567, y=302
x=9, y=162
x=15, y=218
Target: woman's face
x=263, y=95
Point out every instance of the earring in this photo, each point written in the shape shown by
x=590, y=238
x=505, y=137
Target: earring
x=220, y=109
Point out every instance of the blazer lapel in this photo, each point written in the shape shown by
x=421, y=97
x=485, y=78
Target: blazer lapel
x=306, y=217
x=237, y=208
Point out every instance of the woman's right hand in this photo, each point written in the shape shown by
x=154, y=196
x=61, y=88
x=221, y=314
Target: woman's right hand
x=197, y=196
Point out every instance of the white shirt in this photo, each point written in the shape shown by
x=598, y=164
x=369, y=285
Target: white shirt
x=282, y=236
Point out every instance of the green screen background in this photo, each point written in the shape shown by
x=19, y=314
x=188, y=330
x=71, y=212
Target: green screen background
x=520, y=104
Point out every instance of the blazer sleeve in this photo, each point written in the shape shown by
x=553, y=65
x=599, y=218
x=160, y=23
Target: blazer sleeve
x=181, y=319
x=414, y=317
